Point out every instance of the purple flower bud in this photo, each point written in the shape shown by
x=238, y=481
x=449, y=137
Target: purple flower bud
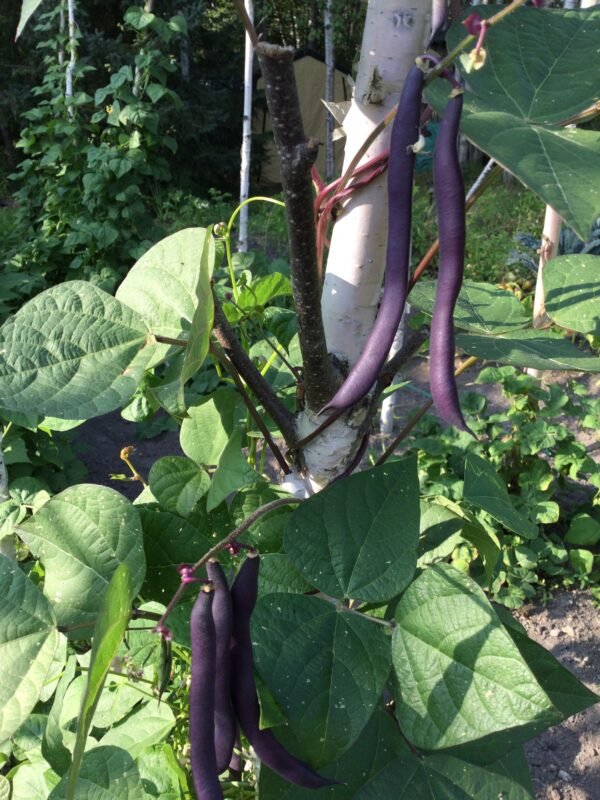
x=473, y=24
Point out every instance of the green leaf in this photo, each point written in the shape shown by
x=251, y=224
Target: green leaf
x=107, y=773
x=28, y=8
x=572, y=292
x=485, y=489
x=202, y=321
x=378, y=744
x=109, y=630
x=4, y=788
x=537, y=75
x=330, y=693
x=358, y=537
x=29, y=640
x=53, y=748
x=267, y=532
x=33, y=781
x=178, y=484
x=232, y=473
x=73, y=352
x=538, y=349
x=140, y=730
x=440, y=533
x=480, y=307
x=161, y=773
x=277, y=574
x=208, y=426
x=583, y=530
x=260, y=293
x=581, y=560
x=460, y=677
x=81, y=536
x=162, y=286
x=168, y=542
x=568, y=695
x=441, y=777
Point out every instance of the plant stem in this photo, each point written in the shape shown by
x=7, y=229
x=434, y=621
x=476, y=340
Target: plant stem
x=218, y=353
x=169, y=340
x=419, y=415
x=243, y=364
x=224, y=543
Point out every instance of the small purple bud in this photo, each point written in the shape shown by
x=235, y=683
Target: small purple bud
x=228, y=295
x=473, y=24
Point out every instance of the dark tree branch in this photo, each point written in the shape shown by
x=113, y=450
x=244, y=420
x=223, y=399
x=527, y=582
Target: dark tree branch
x=297, y=155
x=226, y=337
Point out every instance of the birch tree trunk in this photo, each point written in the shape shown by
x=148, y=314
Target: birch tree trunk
x=395, y=34
x=246, y=136
x=72, y=52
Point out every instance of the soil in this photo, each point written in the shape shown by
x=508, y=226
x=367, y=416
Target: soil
x=565, y=760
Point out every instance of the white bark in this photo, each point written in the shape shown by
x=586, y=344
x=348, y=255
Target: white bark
x=388, y=406
x=246, y=137
x=329, y=90
x=549, y=248
x=72, y=52
x=395, y=33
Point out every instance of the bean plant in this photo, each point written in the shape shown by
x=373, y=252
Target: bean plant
x=362, y=663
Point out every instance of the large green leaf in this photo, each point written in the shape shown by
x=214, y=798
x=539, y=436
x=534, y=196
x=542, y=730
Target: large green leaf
x=29, y=640
x=358, y=538
x=164, y=285
x=109, y=630
x=480, y=307
x=161, y=774
x=107, y=773
x=73, y=352
x=538, y=349
x=485, y=489
x=567, y=693
x=330, y=693
x=178, y=484
x=54, y=749
x=441, y=777
x=460, y=676
x=232, y=473
x=146, y=727
x=378, y=744
x=28, y=8
x=207, y=428
x=572, y=292
x=202, y=321
x=538, y=73
x=81, y=536
x=169, y=541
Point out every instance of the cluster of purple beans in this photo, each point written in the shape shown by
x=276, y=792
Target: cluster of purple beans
x=223, y=691
x=450, y=200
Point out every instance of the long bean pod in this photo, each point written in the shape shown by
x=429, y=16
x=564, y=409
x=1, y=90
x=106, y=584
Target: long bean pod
x=405, y=134
x=450, y=199
x=271, y=752
x=225, y=722
x=202, y=698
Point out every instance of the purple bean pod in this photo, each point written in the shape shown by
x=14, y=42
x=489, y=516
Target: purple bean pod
x=450, y=200
x=222, y=613
x=439, y=16
x=405, y=133
x=269, y=750
x=202, y=698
